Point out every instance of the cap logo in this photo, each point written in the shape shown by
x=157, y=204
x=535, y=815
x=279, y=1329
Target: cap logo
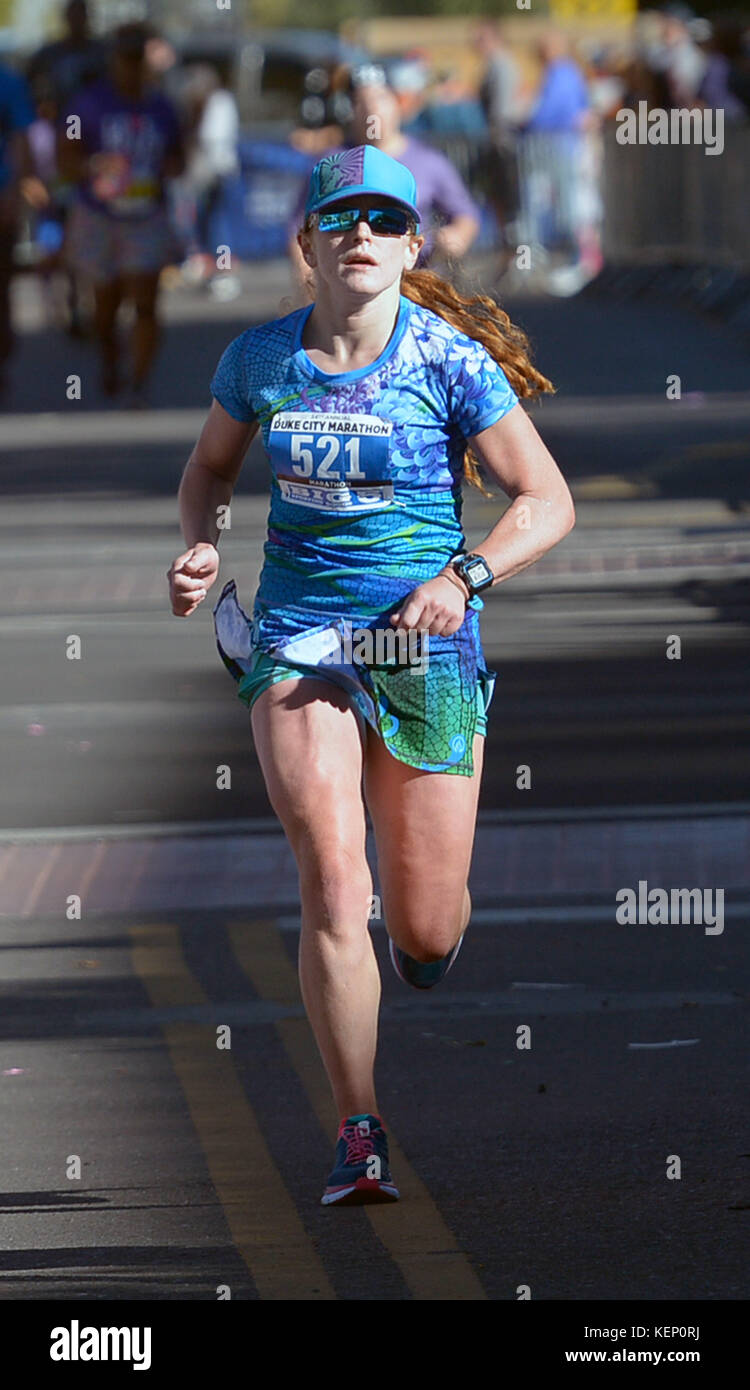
x=335, y=170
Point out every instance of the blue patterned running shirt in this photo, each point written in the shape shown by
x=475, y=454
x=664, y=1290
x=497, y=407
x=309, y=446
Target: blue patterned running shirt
x=366, y=474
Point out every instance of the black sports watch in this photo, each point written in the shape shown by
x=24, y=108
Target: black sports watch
x=474, y=571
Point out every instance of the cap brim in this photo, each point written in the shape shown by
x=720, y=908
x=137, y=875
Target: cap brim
x=343, y=196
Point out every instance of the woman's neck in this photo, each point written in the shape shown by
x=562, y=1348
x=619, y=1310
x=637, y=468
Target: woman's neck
x=345, y=337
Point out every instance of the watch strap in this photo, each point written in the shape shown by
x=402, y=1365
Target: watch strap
x=460, y=564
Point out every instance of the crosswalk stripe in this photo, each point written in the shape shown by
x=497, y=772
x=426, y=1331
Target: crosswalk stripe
x=262, y=1218
x=412, y=1230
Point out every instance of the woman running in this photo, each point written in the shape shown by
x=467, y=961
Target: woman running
x=367, y=400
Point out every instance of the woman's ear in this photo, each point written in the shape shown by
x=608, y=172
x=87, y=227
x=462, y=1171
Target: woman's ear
x=304, y=241
x=411, y=255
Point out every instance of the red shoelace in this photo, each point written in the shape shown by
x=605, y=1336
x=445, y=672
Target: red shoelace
x=359, y=1146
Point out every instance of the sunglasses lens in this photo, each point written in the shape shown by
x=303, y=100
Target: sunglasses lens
x=384, y=221
x=388, y=221
x=340, y=221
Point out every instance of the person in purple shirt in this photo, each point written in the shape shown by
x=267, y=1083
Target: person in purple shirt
x=449, y=218
x=119, y=231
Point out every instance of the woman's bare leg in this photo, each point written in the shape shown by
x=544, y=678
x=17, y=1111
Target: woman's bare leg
x=424, y=826
x=310, y=750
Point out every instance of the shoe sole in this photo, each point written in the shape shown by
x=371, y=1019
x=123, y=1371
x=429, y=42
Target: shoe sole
x=364, y=1192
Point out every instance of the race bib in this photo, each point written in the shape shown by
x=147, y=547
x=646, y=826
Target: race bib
x=335, y=463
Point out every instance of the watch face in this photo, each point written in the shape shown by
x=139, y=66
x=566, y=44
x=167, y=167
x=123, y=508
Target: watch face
x=478, y=572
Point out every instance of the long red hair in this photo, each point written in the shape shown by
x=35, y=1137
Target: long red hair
x=480, y=317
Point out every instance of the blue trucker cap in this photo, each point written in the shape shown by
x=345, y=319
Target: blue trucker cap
x=364, y=169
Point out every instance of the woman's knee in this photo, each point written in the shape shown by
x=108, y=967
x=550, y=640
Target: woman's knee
x=427, y=932
x=327, y=835
x=335, y=882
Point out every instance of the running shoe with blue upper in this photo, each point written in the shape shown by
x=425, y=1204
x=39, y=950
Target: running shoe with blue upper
x=361, y=1170
x=422, y=974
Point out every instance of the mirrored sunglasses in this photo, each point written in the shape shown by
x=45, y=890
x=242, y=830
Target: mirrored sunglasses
x=383, y=221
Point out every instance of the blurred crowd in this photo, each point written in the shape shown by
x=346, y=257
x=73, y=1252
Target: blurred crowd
x=116, y=158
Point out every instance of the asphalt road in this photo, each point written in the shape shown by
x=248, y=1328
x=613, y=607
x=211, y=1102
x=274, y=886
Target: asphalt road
x=544, y=1167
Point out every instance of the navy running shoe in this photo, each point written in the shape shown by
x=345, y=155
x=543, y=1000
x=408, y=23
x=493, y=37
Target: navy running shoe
x=361, y=1172
x=422, y=974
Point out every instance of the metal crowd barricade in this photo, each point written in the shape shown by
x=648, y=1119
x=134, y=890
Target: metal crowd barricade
x=558, y=178
x=556, y=182
x=676, y=202
x=652, y=203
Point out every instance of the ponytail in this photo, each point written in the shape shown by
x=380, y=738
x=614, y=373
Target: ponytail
x=481, y=318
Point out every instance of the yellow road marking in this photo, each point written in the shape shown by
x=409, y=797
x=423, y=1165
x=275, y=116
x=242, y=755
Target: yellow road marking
x=40, y=880
x=9, y=855
x=260, y=1213
x=412, y=1230
x=92, y=869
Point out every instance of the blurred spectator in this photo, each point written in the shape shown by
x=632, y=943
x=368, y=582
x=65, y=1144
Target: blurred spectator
x=16, y=116
x=449, y=218
x=500, y=93
x=408, y=77
x=644, y=77
x=739, y=76
x=678, y=56
x=450, y=108
x=42, y=192
x=212, y=126
x=500, y=90
x=562, y=102
x=606, y=84
x=58, y=70
x=723, y=55
x=559, y=160
x=119, y=231
x=72, y=62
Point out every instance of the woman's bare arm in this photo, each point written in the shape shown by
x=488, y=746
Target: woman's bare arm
x=541, y=512
x=211, y=473
x=206, y=487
